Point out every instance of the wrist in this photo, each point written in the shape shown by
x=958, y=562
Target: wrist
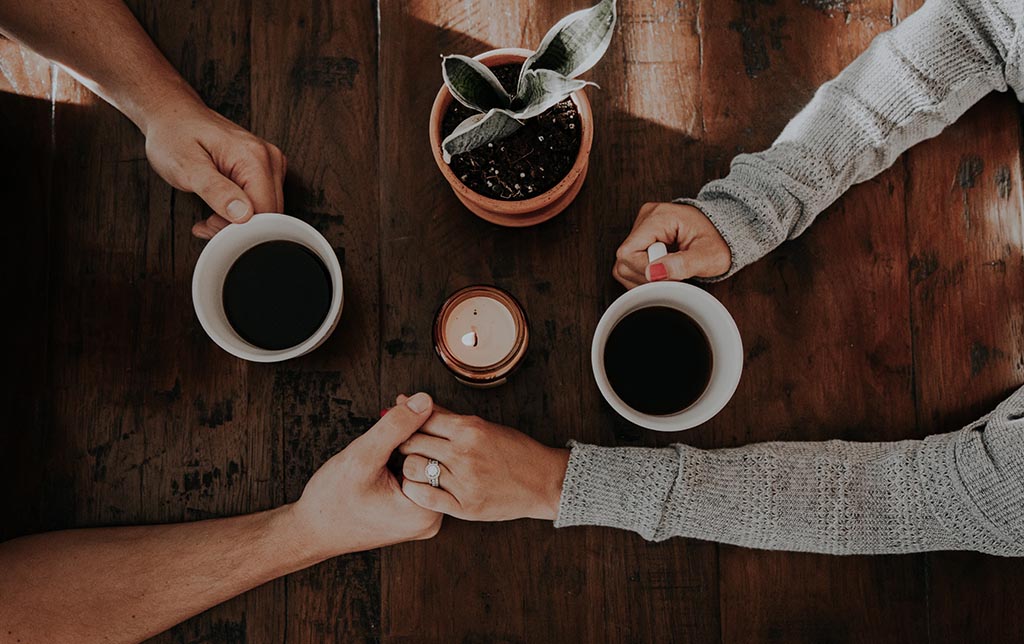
x=176, y=100
x=555, y=465
x=297, y=542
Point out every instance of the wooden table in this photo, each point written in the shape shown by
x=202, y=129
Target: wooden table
x=899, y=314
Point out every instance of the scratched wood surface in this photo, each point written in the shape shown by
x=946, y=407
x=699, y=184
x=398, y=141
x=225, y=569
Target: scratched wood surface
x=897, y=315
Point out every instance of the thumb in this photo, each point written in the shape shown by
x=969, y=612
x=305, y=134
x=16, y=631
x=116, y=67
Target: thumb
x=397, y=425
x=222, y=194
x=679, y=266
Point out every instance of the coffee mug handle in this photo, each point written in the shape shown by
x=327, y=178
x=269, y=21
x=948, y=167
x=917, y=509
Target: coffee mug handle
x=656, y=251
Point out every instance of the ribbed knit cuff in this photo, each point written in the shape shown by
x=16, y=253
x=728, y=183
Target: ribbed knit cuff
x=952, y=466
x=623, y=487
x=990, y=462
x=747, y=240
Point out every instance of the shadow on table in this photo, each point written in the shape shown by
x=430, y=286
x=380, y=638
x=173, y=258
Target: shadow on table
x=634, y=160
x=29, y=444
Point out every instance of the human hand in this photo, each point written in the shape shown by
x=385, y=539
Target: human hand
x=701, y=251
x=354, y=503
x=489, y=472
x=197, y=150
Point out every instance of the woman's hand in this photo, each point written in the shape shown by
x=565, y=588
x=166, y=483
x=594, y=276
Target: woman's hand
x=197, y=150
x=700, y=249
x=354, y=503
x=488, y=472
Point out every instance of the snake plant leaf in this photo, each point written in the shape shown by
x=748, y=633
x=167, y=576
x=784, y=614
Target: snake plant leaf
x=575, y=43
x=473, y=84
x=478, y=130
x=542, y=89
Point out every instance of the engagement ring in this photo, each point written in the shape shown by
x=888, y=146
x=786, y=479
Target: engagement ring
x=433, y=472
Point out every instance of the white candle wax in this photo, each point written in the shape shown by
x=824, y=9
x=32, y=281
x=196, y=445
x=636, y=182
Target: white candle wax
x=480, y=331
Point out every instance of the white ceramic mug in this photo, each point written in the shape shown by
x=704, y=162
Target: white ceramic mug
x=218, y=257
x=719, y=328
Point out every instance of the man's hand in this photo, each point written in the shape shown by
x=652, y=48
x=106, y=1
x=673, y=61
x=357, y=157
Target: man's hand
x=192, y=147
x=700, y=250
x=197, y=150
x=488, y=472
x=354, y=503
x=125, y=584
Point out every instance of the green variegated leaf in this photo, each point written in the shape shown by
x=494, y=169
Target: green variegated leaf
x=473, y=84
x=478, y=130
x=576, y=43
x=542, y=89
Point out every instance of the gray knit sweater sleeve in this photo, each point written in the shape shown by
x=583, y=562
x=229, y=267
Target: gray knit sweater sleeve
x=957, y=491
x=911, y=82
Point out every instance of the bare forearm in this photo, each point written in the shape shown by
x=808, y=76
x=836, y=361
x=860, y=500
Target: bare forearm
x=102, y=43
x=125, y=584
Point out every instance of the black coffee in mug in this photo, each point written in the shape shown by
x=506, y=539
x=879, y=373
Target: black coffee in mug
x=658, y=360
x=277, y=294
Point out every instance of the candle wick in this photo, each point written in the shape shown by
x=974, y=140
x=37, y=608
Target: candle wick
x=470, y=339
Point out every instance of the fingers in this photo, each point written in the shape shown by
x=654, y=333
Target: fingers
x=645, y=231
x=702, y=252
x=414, y=469
x=211, y=226
x=280, y=170
x=631, y=256
x=223, y=195
x=628, y=276
x=238, y=185
x=428, y=446
x=440, y=422
x=674, y=266
x=695, y=261
x=202, y=230
x=431, y=498
x=441, y=425
x=259, y=174
x=401, y=398
x=396, y=426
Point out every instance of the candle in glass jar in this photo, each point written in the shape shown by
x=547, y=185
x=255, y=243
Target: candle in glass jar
x=481, y=335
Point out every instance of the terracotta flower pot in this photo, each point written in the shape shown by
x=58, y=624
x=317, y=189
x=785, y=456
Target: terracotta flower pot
x=526, y=212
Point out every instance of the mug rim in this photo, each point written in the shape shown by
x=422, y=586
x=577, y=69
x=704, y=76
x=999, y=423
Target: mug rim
x=727, y=365
x=308, y=237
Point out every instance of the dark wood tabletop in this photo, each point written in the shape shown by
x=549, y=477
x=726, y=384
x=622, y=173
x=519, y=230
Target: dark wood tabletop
x=899, y=314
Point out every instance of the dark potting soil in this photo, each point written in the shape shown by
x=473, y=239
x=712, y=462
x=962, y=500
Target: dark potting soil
x=530, y=161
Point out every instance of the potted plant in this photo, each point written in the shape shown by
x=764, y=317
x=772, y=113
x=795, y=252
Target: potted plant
x=511, y=129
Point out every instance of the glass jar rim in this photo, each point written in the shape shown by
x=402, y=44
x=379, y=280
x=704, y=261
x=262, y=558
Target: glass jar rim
x=488, y=373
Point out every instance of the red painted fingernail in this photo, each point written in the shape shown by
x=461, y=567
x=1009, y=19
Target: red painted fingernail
x=658, y=272
x=384, y=412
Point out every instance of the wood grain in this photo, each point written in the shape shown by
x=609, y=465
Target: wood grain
x=160, y=424
x=648, y=147
x=966, y=250
x=895, y=316
x=825, y=320
x=314, y=93
x=521, y=581
x=499, y=576
x=25, y=167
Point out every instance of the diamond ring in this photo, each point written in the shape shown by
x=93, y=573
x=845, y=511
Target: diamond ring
x=433, y=472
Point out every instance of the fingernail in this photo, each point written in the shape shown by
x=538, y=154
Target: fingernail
x=237, y=209
x=658, y=272
x=418, y=403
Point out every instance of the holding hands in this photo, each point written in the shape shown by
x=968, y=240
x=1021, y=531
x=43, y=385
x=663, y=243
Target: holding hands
x=700, y=250
x=489, y=472
x=353, y=502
